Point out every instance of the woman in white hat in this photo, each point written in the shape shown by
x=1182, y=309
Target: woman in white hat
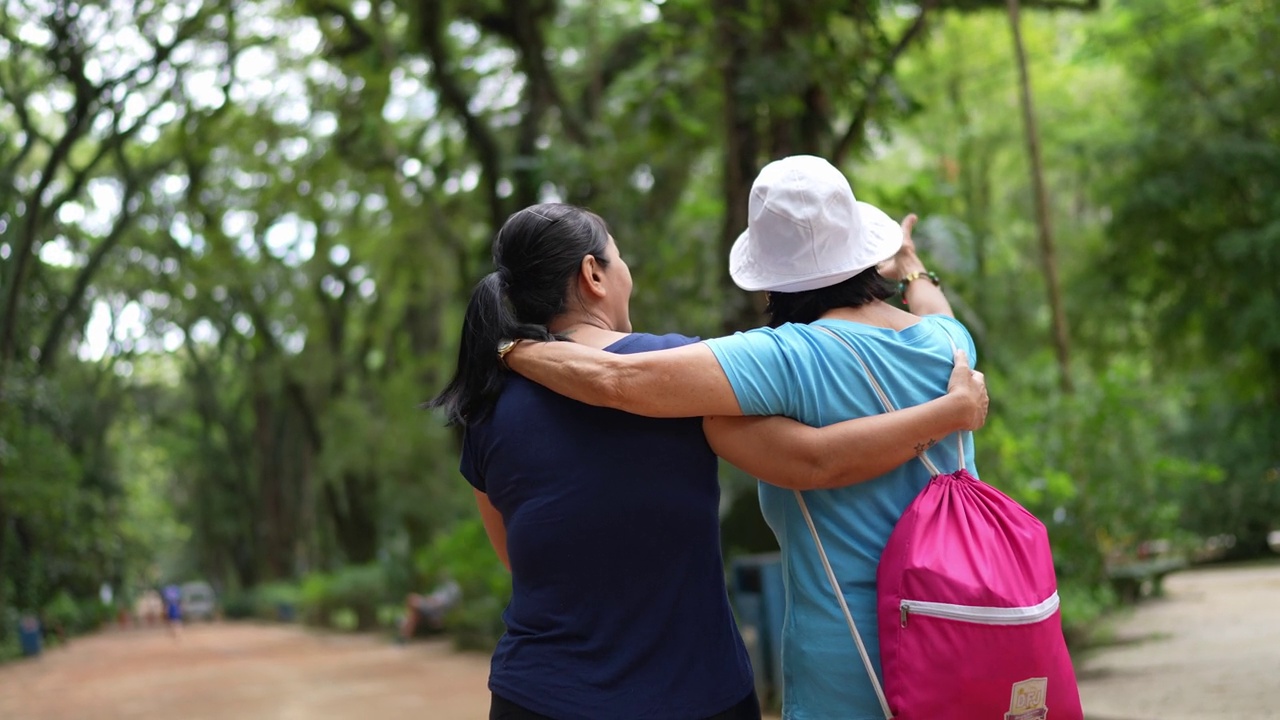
x=823, y=258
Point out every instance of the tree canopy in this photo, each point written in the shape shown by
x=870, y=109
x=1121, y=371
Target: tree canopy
x=236, y=239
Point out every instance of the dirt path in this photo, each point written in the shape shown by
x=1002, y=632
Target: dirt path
x=235, y=671
x=240, y=671
x=1210, y=650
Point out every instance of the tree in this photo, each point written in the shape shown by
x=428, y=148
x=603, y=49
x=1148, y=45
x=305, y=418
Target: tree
x=238, y=241
x=78, y=115
x=1195, y=236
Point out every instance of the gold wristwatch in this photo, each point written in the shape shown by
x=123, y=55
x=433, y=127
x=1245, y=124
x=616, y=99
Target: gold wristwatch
x=504, y=347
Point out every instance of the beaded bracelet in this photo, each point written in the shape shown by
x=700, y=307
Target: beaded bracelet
x=912, y=277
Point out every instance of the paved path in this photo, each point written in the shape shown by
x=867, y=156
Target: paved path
x=1210, y=651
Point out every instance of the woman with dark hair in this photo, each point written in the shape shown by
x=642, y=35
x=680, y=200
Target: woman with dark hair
x=609, y=521
x=820, y=255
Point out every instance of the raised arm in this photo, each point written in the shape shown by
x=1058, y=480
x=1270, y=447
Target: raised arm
x=681, y=382
x=784, y=452
x=921, y=293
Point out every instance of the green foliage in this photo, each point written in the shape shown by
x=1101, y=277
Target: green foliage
x=1196, y=198
x=315, y=599
x=360, y=590
x=1083, y=605
x=69, y=616
x=347, y=599
x=1167, y=435
x=1099, y=465
x=62, y=614
x=465, y=556
x=239, y=605
x=217, y=325
x=276, y=601
x=10, y=645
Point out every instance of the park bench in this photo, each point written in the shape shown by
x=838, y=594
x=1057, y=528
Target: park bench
x=1130, y=580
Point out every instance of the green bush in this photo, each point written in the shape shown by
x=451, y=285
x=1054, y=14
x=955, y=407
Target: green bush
x=1099, y=467
x=359, y=589
x=344, y=619
x=10, y=649
x=96, y=614
x=1083, y=605
x=277, y=601
x=65, y=616
x=238, y=604
x=315, y=600
x=62, y=615
x=465, y=556
x=389, y=615
x=346, y=600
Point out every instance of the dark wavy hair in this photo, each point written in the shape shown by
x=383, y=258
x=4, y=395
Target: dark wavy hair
x=536, y=254
x=809, y=305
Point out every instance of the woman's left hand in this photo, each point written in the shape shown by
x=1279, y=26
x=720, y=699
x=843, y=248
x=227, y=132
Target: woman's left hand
x=970, y=386
x=905, y=261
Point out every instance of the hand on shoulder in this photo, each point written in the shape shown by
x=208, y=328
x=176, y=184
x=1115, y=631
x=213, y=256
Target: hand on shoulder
x=969, y=387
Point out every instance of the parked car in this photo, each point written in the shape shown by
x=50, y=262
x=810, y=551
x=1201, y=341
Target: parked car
x=199, y=602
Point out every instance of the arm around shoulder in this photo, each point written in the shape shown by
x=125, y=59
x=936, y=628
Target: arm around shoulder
x=681, y=382
x=789, y=454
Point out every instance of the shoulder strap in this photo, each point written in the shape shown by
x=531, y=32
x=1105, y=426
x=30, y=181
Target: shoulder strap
x=887, y=404
x=844, y=607
x=817, y=541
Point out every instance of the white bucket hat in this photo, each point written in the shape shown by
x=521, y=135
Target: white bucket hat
x=806, y=231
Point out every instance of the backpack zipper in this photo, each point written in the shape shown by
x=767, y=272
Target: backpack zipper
x=982, y=615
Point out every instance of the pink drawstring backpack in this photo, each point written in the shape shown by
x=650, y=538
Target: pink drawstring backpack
x=967, y=606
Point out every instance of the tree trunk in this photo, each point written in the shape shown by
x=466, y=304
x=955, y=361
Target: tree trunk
x=740, y=152
x=4, y=566
x=355, y=527
x=1061, y=335
x=272, y=522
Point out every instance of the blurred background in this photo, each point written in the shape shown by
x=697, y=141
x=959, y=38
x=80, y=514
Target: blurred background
x=236, y=238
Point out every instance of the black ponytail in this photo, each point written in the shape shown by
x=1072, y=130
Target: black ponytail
x=537, y=252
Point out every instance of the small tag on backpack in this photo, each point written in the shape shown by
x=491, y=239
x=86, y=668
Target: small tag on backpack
x=1027, y=701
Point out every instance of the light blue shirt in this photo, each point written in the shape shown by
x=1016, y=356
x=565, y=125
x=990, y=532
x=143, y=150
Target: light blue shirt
x=804, y=373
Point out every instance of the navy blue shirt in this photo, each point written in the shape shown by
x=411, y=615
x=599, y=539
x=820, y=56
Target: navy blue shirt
x=618, y=606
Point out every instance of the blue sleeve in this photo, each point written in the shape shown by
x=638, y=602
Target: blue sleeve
x=959, y=335
x=759, y=370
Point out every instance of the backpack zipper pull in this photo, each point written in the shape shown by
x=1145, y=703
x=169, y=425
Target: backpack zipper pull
x=904, y=615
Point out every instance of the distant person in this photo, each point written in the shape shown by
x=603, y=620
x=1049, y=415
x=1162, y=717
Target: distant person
x=428, y=610
x=609, y=522
x=172, y=595
x=149, y=608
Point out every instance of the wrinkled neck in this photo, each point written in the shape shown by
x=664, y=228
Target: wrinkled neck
x=579, y=318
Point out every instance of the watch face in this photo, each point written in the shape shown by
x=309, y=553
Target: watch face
x=505, y=346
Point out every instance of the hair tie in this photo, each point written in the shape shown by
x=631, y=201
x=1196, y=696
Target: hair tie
x=504, y=275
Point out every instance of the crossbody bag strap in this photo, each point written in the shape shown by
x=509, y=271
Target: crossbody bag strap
x=887, y=404
x=844, y=607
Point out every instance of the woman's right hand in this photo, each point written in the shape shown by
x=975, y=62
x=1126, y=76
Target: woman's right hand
x=969, y=387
